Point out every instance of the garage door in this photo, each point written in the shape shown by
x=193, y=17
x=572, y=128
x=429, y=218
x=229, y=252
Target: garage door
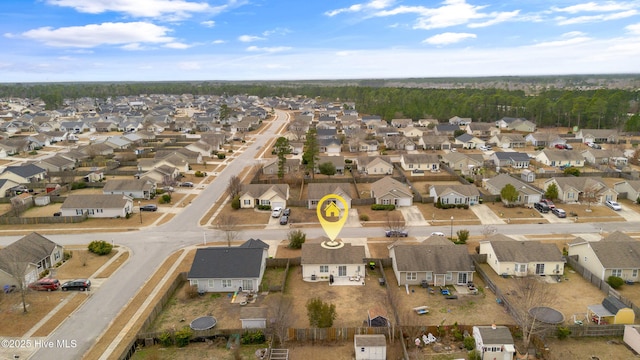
x=276, y=204
x=405, y=202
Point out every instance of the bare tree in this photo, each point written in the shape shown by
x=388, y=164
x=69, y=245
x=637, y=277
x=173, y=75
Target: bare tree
x=68, y=176
x=298, y=128
x=395, y=224
x=281, y=316
x=527, y=293
x=355, y=137
x=18, y=206
x=590, y=194
x=19, y=268
x=228, y=224
x=83, y=256
x=234, y=187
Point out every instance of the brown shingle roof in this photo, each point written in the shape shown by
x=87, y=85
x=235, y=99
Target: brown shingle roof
x=437, y=258
x=314, y=253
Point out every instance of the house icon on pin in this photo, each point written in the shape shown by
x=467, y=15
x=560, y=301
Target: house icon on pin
x=331, y=210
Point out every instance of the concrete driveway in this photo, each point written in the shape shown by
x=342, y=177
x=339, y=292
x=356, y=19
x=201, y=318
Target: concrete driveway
x=628, y=213
x=486, y=215
x=413, y=216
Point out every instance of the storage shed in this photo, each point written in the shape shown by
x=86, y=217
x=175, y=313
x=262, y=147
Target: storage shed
x=377, y=317
x=253, y=317
x=370, y=347
x=632, y=337
x=611, y=311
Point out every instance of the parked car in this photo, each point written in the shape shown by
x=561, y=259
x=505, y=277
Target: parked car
x=485, y=147
x=79, y=284
x=437, y=233
x=286, y=212
x=45, y=284
x=549, y=203
x=284, y=220
x=541, y=207
x=57, y=213
x=613, y=205
x=396, y=233
x=568, y=147
x=559, y=213
x=276, y=212
x=560, y=146
x=186, y=184
x=149, y=207
x=168, y=188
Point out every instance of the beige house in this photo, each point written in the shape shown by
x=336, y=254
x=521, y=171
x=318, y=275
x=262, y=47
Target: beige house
x=508, y=141
x=455, y=194
x=97, y=206
x=389, y=191
x=375, y=165
x=521, y=258
x=28, y=256
x=412, y=132
x=274, y=195
x=572, y=189
x=467, y=164
x=316, y=191
x=342, y=265
x=419, y=162
x=618, y=254
x=564, y=158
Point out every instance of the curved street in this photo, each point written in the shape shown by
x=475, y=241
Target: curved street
x=151, y=246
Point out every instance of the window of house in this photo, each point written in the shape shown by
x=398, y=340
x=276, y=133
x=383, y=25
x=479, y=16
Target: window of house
x=429, y=277
x=210, y=283
x=585, y=258
x=616, y=272
x=99, y=211
x=410, y=166
x=265, y=202
x=412, y=276
x=226, y=283
x=449, y=276
x=91, y=212
x=634, y=273
x=247, y=202
x=385, y=201
x=78, y=211
x=324, y=268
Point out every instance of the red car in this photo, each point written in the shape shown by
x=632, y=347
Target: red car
x=45, y=284
x=549, y=203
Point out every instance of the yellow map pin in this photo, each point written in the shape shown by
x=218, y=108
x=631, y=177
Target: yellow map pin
x=331, y=216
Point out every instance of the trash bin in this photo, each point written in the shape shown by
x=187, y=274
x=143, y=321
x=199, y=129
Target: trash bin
x=424, y=284
x=313, y=277
x=381, y=281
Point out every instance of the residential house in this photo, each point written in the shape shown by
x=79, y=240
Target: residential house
x=494, y=342
x=617, y=254
x=515, y=160
x=446, y=129
x=100, y=149
x=161, y=174
x=401, y=123
x=399, y=142
x=439, y=262
x=316, y=191
x=386, y=131
x=600, y=156
x=427, y=122
x=28, y=256
x=337, y=161
x=573, y=189
x=56, y=163
x=271, y=167
x=522, y=125
x=467, y=164
x=419, y=162
x=134, y=188
x=389, y=191
x=629, y=187
x=456, y=120
x=274, y=195
x=28, y=173
x=482, y=130
x=73, y=127
x=539, y=139
x=13, y=146
x=527, y=194
x=469, y=141
x=97, y=206
x=597, y=135
x=228, y=269
x=191, y=157
x=5, y=187
x=330, y=146
x=455, y=194
x=363, y=146
x=373, y=121
x=508, y=141
x=412, y=132
x=333, y=265
x=507, y=256
x=506, y=122
x=560, y=158
x=434, y=142
x=375, y=165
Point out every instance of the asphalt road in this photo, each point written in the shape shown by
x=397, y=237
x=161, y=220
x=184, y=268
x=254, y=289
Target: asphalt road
x=150, y=246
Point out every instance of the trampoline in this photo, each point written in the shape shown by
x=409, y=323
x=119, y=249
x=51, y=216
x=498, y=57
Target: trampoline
x=203, y=323
x=546, y=315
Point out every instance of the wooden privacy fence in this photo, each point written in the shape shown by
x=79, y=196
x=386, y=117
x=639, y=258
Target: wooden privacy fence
x=337, y=334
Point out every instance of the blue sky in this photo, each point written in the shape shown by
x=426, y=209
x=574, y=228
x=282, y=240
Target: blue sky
x=143, y=40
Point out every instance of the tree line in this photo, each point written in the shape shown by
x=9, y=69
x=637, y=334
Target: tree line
x=603, y=108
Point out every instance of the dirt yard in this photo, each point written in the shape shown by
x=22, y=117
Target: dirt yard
x=588, y=348
x=443, y=216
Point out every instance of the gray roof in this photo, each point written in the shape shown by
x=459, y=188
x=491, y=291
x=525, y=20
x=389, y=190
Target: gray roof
x=31, y=248
x=126, y=185
x=465, y=137
x=314, y=253
x=581, y=183
x=389, y=185
x=95, y=201
x=257, y=190
x=437, y=258
x=501, y=180
x=613, y=305
x=25, y=171
x=465, y=190
x=226, y=262
x=319, y=190
x=523, y=251
x=513, y=156
x=420, y=158
x=617, y=251
x=447, y=127
x=254, y=243
x=58, y=160
x=498, y=336
x=253, y=312
x=566, y=155
x=369, y=340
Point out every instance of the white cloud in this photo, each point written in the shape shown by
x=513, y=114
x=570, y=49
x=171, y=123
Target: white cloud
x=371, y=5
x=177, y=45
x=562, y=43
x=93, y=35
x=595, y=18
x=497, y=18
x=177, y=9
x=249, y=38
x=572, y=34
x=268, y=49
x=594, y=7
x=209, y=23
x=219, y=41
x=448, y=38
x=634, y=29
x=276, y=31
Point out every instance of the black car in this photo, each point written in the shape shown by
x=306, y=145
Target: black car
x=149, y=207
x=57, y=213
x=284, y=220
x=79, y=284
x=286, y=212
x=186, y=184
x=396, y=233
